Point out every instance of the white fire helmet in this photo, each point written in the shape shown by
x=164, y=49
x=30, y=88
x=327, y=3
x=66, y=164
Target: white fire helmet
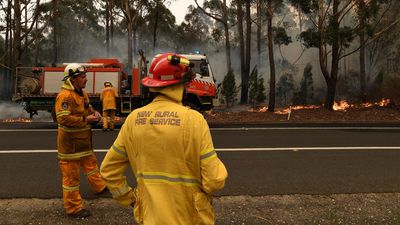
x=73, y=69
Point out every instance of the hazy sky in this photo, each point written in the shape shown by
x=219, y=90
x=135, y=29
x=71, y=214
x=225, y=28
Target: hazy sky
x=179, y=8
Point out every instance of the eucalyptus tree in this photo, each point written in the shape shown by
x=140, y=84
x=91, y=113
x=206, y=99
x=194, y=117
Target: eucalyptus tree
x=23, y=26
x=272, y=6
x=108, y=16
x=244, y=78
x=259, y=31
x=383, y=51
x=20, y=20
x=80, y=35
x=193, y=32
x=7, y=56
x=361, y=14
x=369, y=17
x=243, y=12
x=132, y=10
x=161, y=26
x=246, y=69
x=329, y=36
x=220, y=12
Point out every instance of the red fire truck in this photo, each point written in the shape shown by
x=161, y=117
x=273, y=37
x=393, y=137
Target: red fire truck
x=36, y=88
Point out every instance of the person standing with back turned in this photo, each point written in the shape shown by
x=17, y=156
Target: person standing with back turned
x=107, y=97
x=170, y=151
x=74, y=140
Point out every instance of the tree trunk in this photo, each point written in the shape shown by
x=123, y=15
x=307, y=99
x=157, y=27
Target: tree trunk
x=248, y=54
x=111, y=29
x=227, y=39
x=330, y=97
x=55, y=32
x=107, y=6
x=134, y=44
x=24, y=57
x=243, y=96
x=129, y=23
x=5, y=92
x=224, y=20
x=17, y=33
x=361, y=16
x=259, y=33
x=16, y=42
x=155, y=29
x=271, y=103
x=130, y=47
x=37, y=44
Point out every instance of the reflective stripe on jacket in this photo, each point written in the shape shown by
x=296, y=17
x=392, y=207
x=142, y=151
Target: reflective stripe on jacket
x=108, y=95
x=74, y=138
x=170, y=151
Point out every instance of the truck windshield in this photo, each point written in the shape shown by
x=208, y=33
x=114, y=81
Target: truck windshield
x=200, y=67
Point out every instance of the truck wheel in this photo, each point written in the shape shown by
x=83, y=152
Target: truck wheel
x=193, y=106
x=32, y=113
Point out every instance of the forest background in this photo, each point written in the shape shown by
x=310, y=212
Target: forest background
x=273, y=52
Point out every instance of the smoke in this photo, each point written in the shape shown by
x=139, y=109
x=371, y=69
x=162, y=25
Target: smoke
x=13, y=111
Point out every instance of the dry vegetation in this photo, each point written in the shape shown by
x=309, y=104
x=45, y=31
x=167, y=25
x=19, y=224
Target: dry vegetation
x=373, y=114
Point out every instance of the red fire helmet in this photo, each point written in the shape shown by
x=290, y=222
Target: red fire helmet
x=168, y=69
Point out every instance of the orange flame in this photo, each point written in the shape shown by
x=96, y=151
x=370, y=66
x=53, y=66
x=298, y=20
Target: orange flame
x=15, y=120
x=342, y=105
x=282, y=111
x=384, y=102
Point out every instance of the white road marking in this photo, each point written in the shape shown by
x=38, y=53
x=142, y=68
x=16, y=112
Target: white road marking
x=295, y=149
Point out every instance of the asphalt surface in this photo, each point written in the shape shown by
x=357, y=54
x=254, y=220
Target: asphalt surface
x=260, y=161
x=278, y=174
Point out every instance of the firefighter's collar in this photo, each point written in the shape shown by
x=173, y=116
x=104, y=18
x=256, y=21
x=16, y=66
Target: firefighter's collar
x=68, y=85
x=174, y=92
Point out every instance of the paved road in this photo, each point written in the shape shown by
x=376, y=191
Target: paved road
x=260, y=161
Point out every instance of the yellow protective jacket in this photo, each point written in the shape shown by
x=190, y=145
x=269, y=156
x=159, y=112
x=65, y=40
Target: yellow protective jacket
x=74, y=138
x=170, y=151
x=107, y=96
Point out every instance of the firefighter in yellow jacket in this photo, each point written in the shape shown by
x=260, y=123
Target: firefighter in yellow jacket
x=74, y=141
x=107, y=97
x=170, y=151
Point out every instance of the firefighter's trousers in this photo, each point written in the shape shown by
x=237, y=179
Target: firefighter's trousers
x=108, y=113
x=70, y=181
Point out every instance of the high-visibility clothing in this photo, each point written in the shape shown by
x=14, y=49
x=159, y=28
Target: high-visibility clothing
x=107, y=96
x=108, y=124
x=70, y=181
x=74, y=144
x=170, y=150
x=74, y=133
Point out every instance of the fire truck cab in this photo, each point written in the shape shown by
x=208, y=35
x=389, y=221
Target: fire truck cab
x=202, y=89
